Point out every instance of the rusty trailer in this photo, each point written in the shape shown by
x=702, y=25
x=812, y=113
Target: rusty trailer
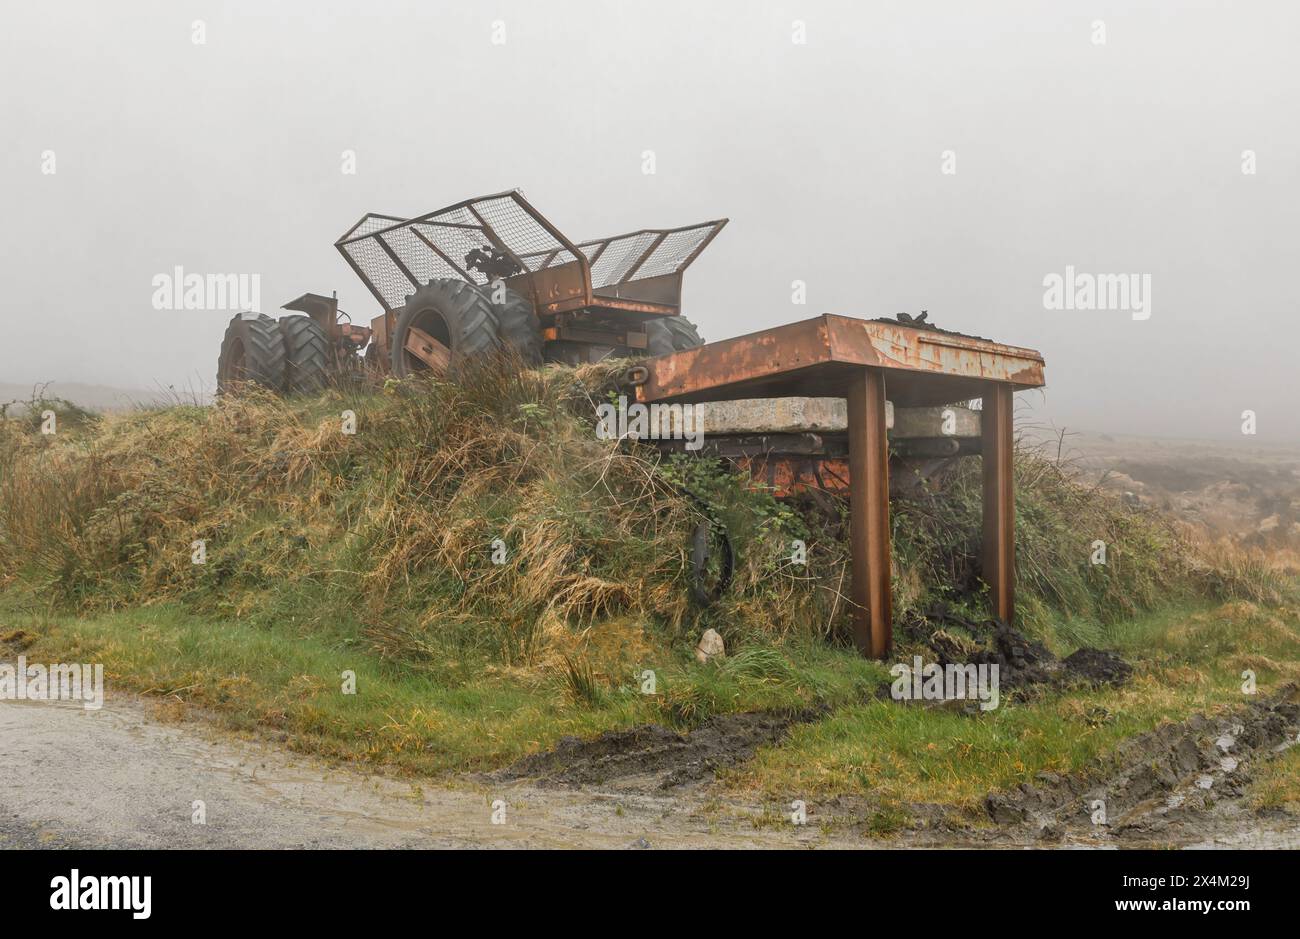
x=916, y=365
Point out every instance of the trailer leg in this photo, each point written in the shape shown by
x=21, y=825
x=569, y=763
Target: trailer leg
x=999, y=501
x=869, y=513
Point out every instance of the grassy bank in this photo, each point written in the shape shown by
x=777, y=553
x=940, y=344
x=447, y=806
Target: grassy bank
x=496, y=578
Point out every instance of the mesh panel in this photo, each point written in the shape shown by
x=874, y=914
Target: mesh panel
x=455, y=242
x=459, y=216
x=460, y=230
x=455, y=232
x=415, y=254
x=622, y=253
x=371, y=223
x=672, y=251
x=519, y=231
x=618, y=258
x=384, y=276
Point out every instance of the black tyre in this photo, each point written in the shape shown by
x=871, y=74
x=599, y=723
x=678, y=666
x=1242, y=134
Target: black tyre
x=306, y=355
x=671, y=334
x=452, y=312
x=519, y=326
x=712, y=562
x=252, y=351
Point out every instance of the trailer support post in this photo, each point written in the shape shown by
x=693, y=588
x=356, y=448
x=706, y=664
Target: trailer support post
x=997, y=447
x=869, y=513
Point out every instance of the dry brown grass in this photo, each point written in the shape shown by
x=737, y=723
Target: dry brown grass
x=400, y=518
x=395, y=525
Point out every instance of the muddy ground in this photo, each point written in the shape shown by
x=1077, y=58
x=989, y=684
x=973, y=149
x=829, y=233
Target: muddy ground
x=120, y=777
x=654, y=758
x=1180, y=785
x=1026, y=666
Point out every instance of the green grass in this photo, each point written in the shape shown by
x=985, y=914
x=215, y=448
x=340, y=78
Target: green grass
x=289, y=679
x=1186, y=659
x=370, y=552
x=1276, y=785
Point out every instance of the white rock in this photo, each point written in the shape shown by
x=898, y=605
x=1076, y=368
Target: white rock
x=710, y=647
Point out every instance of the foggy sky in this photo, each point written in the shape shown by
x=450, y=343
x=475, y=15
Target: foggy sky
x=1124, y=157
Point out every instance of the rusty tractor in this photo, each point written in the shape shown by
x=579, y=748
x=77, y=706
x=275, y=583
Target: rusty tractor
x=486, y=273
x=801, y=408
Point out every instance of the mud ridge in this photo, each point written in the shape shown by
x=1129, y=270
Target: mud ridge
x=1025, y=665
x=652, y=757
x=1171, y=784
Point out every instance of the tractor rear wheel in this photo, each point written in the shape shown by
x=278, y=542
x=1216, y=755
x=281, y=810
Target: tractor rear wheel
x=519, y=326
x=458, y=319
x=306, y=355
x=252, y=351
x=671, y=334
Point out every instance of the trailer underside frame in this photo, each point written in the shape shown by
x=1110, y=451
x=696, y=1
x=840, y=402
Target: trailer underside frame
x=862, y=360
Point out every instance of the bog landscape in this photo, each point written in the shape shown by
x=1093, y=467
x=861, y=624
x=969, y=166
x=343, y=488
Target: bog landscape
x=474, y=605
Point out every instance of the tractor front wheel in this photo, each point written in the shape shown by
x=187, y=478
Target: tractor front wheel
x=252, y=351
x=306, y=355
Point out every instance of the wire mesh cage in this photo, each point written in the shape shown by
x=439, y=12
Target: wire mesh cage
x=502, y=236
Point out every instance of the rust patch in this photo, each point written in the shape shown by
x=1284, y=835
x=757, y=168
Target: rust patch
x=816, y=357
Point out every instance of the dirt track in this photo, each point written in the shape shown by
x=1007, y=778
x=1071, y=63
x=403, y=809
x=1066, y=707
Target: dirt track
x=119, y=778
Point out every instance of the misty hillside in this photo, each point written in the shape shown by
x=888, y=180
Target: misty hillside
x=98, y=397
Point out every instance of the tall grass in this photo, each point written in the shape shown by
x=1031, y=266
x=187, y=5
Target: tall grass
x=481, y=520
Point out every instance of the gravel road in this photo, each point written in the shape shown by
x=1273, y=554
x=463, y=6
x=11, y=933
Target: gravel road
x=119, y=778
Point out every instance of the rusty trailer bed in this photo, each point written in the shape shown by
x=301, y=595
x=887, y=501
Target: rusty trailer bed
x=858, y=359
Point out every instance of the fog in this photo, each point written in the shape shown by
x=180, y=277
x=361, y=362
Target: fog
x=828, y=155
